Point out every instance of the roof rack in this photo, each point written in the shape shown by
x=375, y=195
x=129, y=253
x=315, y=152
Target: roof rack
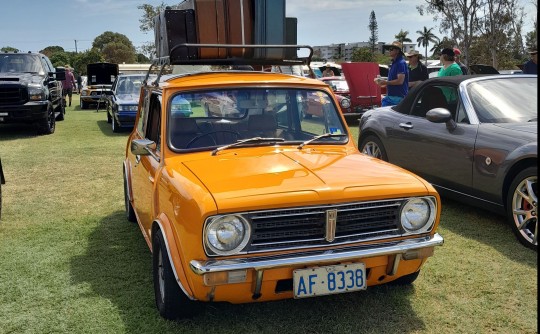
x=166, y=61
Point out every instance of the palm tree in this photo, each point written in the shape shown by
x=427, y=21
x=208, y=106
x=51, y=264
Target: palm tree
x=402, y=37
x=425, y=38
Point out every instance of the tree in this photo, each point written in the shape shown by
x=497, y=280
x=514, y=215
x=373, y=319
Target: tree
x=51, y=50
x=118, y=53
x=401, y=37
x=373, y=29
x=9, y=49
x=84, y=58
x=59, y=59
x=425, y=38
x=111, y=37
x=363, y=54
x=459, y=17
x=441, y=44
x=147, y=24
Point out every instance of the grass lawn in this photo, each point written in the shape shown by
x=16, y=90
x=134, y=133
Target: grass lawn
x=71, y=263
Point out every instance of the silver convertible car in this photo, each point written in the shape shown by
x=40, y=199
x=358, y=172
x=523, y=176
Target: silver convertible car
x=474, y=138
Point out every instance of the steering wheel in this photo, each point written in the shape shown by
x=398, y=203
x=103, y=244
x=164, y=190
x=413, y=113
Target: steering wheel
x=190, y=143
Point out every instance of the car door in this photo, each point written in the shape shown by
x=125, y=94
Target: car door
x=55, y=86
x=442, y=156
x=145, y=167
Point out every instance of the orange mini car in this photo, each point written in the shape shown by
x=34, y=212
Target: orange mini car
x=258, y=203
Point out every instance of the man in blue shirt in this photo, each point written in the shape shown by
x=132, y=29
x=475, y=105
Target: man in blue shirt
x=531, y=67
x=397, y=84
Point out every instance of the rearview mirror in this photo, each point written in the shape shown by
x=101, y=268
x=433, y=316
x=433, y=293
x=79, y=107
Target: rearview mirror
x=441, y=115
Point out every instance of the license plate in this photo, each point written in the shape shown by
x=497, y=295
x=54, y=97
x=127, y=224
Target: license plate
x=329, y=280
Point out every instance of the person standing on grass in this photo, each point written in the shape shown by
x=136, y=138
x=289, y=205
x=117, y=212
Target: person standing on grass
x=450, y=67
x=531, y=67
x=68, y=84
x=397, y=83
x=417, y=71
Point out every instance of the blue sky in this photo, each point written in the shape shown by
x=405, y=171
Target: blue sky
x=31, y=25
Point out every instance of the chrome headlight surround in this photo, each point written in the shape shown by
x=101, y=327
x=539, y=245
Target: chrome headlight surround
x=417, y=214
x=36, y=92
x=226, y=234
x=345, y=103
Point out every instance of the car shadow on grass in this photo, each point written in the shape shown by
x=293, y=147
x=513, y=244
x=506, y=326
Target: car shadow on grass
x=106, y=129
x=486, y=227
x=17, y=131
x=117, y=266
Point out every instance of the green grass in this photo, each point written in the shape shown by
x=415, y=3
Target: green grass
x=71, y=263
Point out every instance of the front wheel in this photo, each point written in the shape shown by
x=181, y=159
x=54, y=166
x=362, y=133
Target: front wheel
x=522, y=207
x=171, y=302
x=373, y=146
x=48, y=124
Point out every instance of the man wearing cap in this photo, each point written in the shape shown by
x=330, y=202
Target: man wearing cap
x=397, y=84
x=531, y=67
x=417, y=71
x=67, y=85
x=457, y=54
x=449, y=65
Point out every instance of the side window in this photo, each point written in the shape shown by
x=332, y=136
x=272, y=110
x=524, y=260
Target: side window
x=153, y=128
x=143, y=113
x=435, y=97
x=461, y=114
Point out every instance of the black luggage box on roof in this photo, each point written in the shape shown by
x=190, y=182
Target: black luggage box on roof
x=173, y=27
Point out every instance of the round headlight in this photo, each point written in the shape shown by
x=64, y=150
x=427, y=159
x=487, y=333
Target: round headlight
x=417, y=215
x=345, y=103
x=227, y=235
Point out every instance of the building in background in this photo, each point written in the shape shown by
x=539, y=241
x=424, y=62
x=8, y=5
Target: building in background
x=344, y=51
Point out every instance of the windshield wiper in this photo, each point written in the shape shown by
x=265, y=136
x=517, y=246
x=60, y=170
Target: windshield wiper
x=245, y=141
x=324, y=135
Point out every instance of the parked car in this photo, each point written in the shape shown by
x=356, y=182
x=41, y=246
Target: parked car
x=474, y=138
x=123, y=102
x=30, y=91
x=261, y=204
x=100, y=77
x=510, y=71
x=2, y=181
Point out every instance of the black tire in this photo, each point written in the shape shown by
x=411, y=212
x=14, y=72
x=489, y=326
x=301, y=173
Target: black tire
x=84, y=105
x=130, y=212
x=405, y=280
x=522, y=207
x=61, y=112
x=171, y=302
x=48, y=124
x=115, y=126
x=372, y=146
x=109, y=118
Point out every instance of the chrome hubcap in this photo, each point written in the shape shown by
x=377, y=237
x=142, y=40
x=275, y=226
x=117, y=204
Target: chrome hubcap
x=525, y=209
x=372, y=149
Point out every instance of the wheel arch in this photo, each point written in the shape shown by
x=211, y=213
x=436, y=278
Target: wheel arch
x=162, y=224
x=512, y=172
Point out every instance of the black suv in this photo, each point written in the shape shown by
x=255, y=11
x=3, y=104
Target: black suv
x=31, y=90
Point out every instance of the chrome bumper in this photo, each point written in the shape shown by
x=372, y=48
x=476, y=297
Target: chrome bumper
x=320, y=257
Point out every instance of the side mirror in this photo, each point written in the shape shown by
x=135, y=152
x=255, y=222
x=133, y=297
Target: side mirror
x=441, y=115
x=60, y=73
x=142, y=146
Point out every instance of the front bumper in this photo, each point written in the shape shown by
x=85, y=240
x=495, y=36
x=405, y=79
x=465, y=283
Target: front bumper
x=407, y=249
x=26, y=113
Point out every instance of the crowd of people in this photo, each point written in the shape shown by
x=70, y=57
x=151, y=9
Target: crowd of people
x=403, y=76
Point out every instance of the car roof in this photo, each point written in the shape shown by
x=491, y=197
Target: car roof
x=238, y=78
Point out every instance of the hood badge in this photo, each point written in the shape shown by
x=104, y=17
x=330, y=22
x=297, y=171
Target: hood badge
x=331, y=220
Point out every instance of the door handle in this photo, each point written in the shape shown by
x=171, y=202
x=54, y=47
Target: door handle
x=151, y=179
x=406, y=126
x=137, y=159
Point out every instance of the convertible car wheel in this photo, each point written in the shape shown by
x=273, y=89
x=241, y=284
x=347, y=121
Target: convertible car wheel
x=372, y=146
x=171, y=302
x=522, y=207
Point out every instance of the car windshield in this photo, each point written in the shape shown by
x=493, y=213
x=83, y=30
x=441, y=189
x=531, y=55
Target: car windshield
x=20, y=63
x=339, y=85
x=505, y=100
x=129, y=84
x=205, y=120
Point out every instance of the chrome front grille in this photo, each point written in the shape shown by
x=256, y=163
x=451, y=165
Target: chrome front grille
x=307, y=227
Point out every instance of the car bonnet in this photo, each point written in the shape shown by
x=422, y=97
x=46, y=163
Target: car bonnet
x=266, y=177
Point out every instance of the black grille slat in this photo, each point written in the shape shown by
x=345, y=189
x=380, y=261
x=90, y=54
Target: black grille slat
x=306, y=227
x=13, y=95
